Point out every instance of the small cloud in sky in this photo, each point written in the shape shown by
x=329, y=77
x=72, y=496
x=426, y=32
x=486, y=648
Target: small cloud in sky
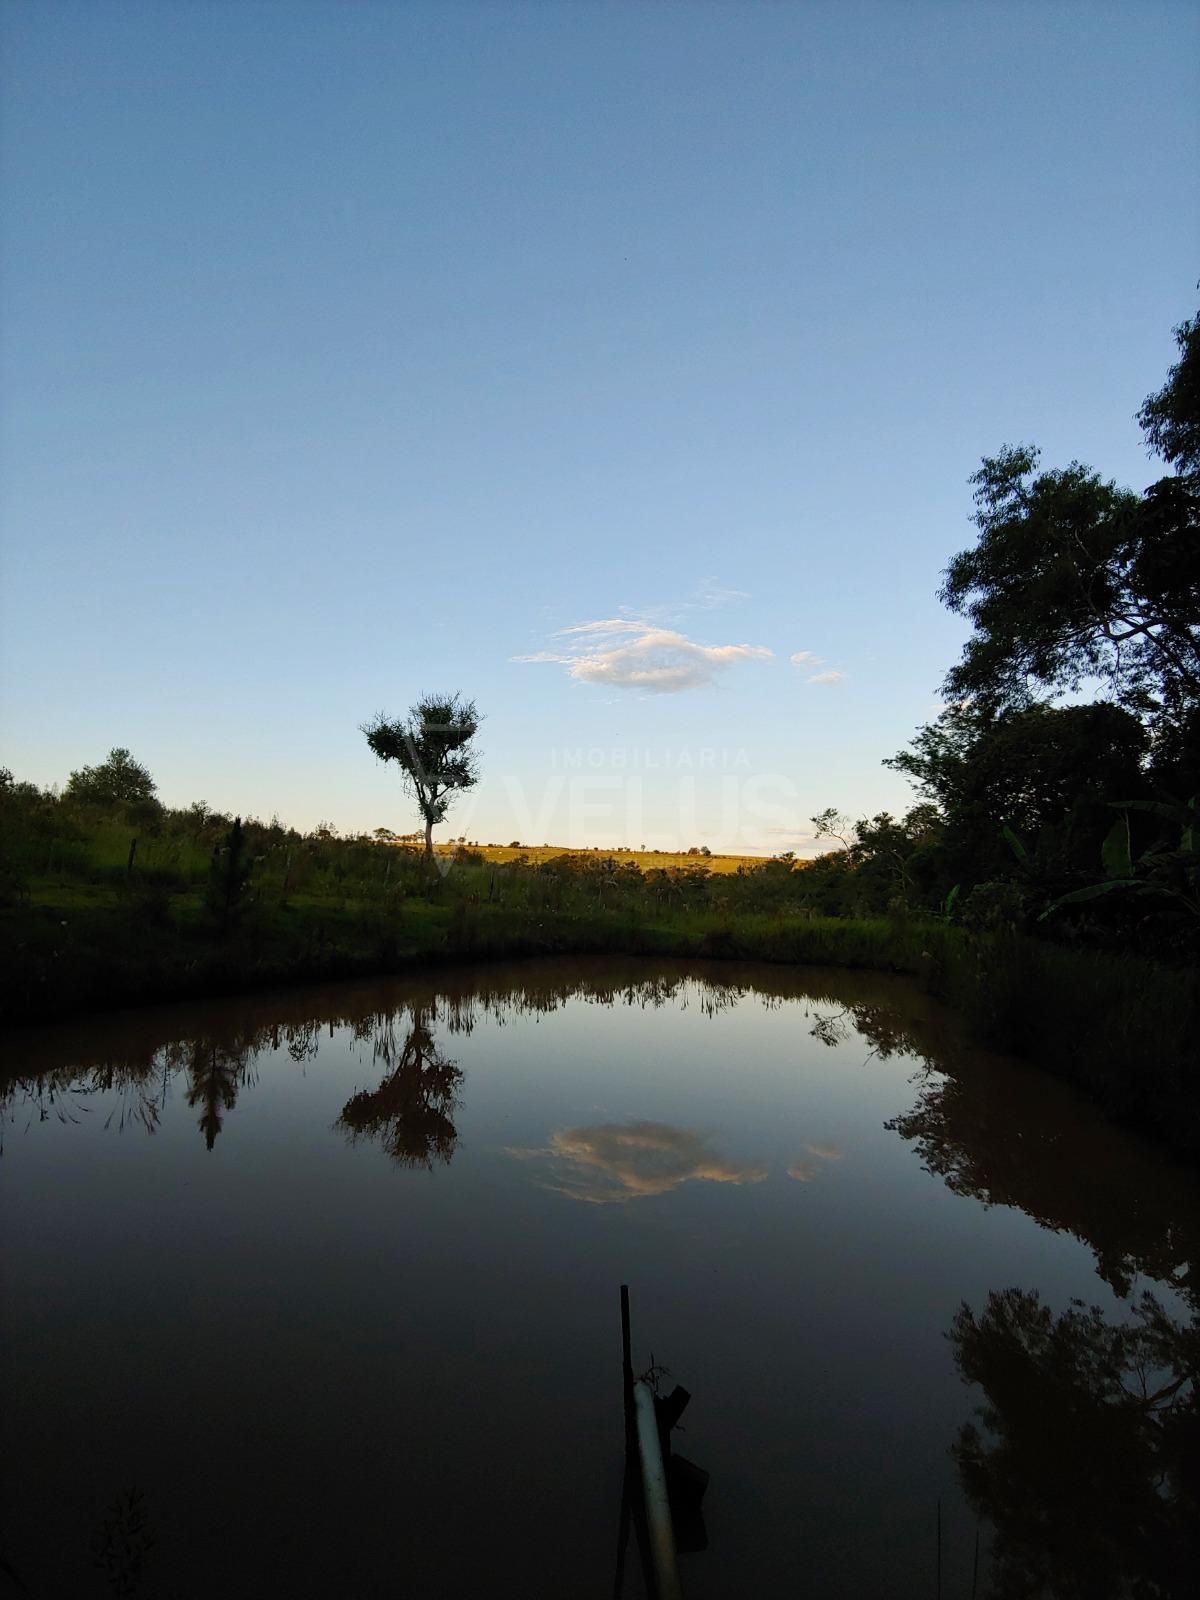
x=810, y=658
x=826, y=1152
x=709, y=594
x=633, y=653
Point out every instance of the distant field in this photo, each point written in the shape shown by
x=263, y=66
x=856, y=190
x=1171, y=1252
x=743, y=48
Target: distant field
x=646, y=860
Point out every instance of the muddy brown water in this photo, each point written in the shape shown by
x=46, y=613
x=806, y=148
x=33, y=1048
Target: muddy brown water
x=330, y=1279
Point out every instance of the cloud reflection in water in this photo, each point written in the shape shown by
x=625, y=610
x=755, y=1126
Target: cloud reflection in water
x=806, y=1171
x=615, y=1162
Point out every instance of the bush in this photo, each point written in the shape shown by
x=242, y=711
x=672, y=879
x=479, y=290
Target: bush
x=993, y=908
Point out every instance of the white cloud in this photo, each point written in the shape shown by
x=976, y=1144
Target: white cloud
x=709, y=594
x=631, y=653
x=810, y=658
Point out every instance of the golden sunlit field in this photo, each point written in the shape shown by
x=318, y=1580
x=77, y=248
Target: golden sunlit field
x=646, y=860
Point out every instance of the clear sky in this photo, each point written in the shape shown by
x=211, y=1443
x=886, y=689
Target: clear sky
x=352, y=350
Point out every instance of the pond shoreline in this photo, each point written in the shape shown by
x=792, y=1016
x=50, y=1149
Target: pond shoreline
x=1121, y=1028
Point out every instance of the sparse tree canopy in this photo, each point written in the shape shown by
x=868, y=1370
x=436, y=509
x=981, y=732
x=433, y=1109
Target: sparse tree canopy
x=117, y=781
x=1171, y=418
x=434, y=750
x=1073, y=578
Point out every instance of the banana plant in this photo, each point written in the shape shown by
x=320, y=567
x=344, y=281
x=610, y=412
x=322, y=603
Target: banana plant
x=1120, y=870
x=1015, y=844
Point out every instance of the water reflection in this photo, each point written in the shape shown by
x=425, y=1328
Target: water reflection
x=409, y=1112
x=988, y=1127
x=1007, y=1135
x=806, y=1171
x=51, y=1074
x=1086, y=1455
x=214, y=1078
x=617, y=1162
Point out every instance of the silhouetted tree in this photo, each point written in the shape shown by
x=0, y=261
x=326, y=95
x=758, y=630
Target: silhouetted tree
x=1047, y=773
x=118, y=782
x=1073, y=583
x=1171, y=417
x=433, y=746
x=410, y=1112
x=1072, y=578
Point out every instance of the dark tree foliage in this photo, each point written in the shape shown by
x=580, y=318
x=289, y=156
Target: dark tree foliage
x=1171, y=418
x=1074, y=588
x=1025, y=768
x=886, y=863
x=119, y=782
x=1046, y=773
x=1073, y=579
x=121, y=1544
x=31, y=821
x=433, y=747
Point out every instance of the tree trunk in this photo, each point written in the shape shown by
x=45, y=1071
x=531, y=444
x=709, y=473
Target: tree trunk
x=429, y=837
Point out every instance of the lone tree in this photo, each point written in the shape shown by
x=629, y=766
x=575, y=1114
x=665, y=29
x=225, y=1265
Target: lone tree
x=119, y=781
x=433, y=746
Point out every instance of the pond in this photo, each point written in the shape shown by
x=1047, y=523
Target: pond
x=318, y=1291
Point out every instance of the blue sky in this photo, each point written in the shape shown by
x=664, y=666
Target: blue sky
x=355, y=350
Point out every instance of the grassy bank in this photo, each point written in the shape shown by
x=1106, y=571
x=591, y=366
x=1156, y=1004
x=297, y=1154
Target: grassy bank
x=1122, y=1028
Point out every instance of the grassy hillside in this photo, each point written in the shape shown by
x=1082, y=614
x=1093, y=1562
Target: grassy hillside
x=644, y=860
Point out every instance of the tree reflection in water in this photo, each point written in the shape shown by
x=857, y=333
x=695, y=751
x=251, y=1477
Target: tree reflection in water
x=1085, y=1457
x=409, y=1113
x=1087, y=1462
x=214, y=1078
x=1006, y=1134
